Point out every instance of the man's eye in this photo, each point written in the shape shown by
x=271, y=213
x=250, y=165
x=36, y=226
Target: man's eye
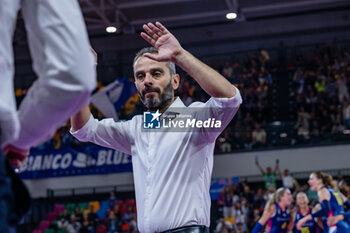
x=140, y=76
x=156, y=74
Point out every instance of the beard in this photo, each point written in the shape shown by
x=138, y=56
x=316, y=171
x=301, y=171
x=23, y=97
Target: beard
x=152, y=103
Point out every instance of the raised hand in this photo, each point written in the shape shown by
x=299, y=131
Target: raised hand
x=159, y=37
x=16, y=156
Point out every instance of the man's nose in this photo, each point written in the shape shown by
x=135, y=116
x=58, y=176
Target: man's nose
x=148, y=80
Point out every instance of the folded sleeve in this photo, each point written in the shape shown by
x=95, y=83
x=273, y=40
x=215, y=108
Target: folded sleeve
x=219, y=109
x=107, y=133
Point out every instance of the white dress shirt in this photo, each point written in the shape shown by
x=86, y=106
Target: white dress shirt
x=172, y=170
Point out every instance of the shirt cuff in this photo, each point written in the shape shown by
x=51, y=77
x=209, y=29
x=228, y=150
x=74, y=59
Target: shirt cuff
x=82, y=133
x=233, y=102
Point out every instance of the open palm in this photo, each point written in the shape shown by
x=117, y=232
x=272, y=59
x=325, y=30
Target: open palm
x=165, y=42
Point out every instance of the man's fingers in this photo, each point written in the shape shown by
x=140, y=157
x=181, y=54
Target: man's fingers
x=161, y=27
x=15, y=150
x=150, y=32
x=155, y=29
x=151, y=56
x=148, y=38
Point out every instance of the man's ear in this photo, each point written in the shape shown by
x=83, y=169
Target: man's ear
x=176, y=81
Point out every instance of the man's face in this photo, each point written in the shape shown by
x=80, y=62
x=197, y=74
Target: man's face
x=154, y=83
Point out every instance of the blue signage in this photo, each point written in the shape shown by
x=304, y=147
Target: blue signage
x=87, y=160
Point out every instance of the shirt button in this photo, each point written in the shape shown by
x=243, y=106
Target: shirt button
x=150, y=169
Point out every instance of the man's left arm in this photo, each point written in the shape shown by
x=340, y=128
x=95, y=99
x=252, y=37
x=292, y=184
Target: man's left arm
x=210, y=80
x=170, y=50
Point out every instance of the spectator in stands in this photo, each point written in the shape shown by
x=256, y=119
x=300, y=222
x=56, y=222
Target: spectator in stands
x=112, y=200
x=227, y=71
x=237, y=189
x=237, y=141
x=340, y=180
x=337, y=128
x=224, y=141
x=74, y=225
x=62, y=224
x=343, y=92
x=315, y=132
x=116, y=212
x=248, y=139
x=245, y=206
x=93, y=217
x=239, y=215
x=78, y=214
x=270, y=191
x=311, y=98
x=228, y=202
x=223, y=226
x=334, y=109
x=288, y=180
x=86, y=226
x=65, y=215
x=113, y=223
x=320, y=83
x=302, y=125
x=130, y=218
x=298, y=80
x=240, y=228
x=346, y=114
x=330, y=87
x=259, y=199
x=256, y=215
x=247, y=193
x=300, y=101
x=259, y=137
x=325, y=122
x=264, y=57
x=269, y=176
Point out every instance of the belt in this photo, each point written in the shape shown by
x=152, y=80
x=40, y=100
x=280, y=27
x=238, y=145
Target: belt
x=188, y=229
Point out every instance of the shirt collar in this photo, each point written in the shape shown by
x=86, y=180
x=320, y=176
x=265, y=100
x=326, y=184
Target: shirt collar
x=175, y=107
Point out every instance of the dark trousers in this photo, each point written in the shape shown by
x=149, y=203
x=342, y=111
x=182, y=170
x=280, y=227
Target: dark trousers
x=6, y=199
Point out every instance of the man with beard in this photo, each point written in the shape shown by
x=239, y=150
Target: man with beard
x=172, y=170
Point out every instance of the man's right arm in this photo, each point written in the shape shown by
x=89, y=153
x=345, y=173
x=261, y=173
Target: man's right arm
x=106, y=133
x=79, y=119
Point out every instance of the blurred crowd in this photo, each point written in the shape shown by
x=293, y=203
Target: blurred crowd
x=322, y=81
x=109, y=216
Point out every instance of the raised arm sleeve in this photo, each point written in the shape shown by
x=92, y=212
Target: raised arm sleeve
x=107, y=133
x=220, y=109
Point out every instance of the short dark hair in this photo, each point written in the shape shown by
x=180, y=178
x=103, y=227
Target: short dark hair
x=171, y=65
